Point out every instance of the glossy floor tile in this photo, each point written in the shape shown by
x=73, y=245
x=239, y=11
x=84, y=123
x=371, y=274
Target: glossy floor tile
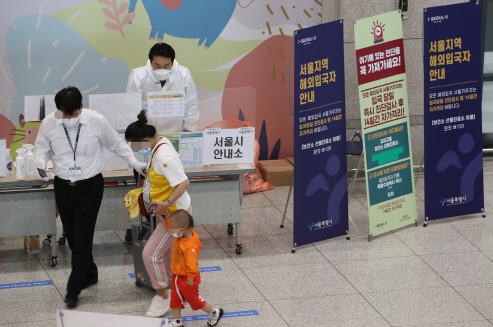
x=438, y=276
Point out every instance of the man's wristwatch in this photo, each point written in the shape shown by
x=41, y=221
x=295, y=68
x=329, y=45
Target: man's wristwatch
x=170, y=203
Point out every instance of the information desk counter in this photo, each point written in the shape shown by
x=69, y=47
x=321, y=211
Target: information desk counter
x=28, y=206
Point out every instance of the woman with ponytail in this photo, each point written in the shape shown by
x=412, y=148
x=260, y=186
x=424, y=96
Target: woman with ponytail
x=165, y=187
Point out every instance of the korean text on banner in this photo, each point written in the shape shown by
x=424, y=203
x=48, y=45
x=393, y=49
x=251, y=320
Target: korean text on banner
x=384, y=111
x=452, y=105
x=320, y=172
x=229, y=146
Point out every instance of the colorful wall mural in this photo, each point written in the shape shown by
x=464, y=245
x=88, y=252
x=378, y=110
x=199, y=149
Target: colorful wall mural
x=237, y=50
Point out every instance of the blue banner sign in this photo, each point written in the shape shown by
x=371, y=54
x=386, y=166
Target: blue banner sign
x=320, y=172
x=452, y=111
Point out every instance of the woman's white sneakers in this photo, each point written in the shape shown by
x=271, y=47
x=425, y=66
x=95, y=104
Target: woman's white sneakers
x=159, y=306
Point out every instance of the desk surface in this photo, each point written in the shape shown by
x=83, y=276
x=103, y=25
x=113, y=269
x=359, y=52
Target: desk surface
x=125, y=175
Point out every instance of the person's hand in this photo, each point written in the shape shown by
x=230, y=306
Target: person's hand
x=161, y=208
x=41, y=164
x=140, y=167
x=190, y=281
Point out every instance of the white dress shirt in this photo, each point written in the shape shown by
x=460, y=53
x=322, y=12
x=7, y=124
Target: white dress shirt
x=95, y=133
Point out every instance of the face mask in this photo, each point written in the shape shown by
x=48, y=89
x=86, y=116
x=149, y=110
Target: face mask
x=162, y=74
x=144, y=152
x=71, y=122
x=176, y=234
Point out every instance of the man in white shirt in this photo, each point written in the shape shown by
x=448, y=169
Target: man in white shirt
x=76, y=142
x=163, y=73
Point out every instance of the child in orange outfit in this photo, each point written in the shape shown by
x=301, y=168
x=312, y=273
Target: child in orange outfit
x=185, y=268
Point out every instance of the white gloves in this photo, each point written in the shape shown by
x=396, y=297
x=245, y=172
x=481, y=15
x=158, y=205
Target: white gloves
x=140, y=167
x=42, y=166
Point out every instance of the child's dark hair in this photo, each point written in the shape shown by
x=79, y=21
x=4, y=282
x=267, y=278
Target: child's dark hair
x=140, y=129
x=183, y=218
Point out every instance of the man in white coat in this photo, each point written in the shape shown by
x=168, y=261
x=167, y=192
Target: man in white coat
x=163, y=73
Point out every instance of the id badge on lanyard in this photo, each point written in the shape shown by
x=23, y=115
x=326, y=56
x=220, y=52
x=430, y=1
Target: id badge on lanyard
x=74, y=171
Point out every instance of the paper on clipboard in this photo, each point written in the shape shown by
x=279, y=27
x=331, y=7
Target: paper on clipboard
x=166, y=104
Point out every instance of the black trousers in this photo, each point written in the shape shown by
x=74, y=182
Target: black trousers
x=78, y=207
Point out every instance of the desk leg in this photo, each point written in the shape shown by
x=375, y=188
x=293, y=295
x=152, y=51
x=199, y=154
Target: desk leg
x=239, y=248
x=241, y=188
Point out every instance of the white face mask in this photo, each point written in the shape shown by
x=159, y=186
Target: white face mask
x=71, y=122
x=162, y=74
x=176, y=234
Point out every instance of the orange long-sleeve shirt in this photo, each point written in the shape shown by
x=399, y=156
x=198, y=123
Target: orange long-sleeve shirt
x=184, y=259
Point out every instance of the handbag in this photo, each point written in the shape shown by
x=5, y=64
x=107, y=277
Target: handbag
x=130, y=197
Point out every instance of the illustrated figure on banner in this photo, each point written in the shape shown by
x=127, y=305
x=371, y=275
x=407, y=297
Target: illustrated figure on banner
x=203, y=20
x=469, y=174
x=319, y=182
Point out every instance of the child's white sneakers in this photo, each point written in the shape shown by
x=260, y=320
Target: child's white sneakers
x=214, y=317
x=177, y=323
x=159, y=306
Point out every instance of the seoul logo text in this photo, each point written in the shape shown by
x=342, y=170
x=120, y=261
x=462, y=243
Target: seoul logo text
x=320, y=225
x=307, y=40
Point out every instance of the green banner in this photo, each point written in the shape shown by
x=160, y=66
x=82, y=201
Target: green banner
x=174, y=138
x=385, y=124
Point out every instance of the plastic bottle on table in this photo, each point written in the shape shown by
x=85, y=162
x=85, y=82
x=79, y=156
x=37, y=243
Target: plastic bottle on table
x=9, y=163
x=20, y=165
x=29, y=164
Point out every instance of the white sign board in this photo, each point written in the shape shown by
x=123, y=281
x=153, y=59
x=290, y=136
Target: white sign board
x=114, y=162
x=120, y=109
x=192, y=149
x=229, y=146
x=35, y=105
x=166, y=104
x=3, y=158
x=69, y=318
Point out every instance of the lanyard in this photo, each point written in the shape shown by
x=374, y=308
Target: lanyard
x=70, y=142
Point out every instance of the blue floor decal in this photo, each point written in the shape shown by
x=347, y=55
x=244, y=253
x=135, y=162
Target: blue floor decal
x=226, y=315
x=28, y=284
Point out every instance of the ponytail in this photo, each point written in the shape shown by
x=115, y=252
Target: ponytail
x=140, y=129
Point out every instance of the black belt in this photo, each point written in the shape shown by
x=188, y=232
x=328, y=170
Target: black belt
x=77, y=183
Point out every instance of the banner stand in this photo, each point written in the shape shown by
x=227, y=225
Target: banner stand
x=382, y=86
x=320, y=173
x=452, y=73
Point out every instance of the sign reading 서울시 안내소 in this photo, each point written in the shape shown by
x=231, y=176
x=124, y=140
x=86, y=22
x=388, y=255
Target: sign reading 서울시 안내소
x=384, y=109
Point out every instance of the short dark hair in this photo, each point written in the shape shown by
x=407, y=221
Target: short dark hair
x=69, y=100
x=162, y=50
x=139, y=130
x=183, y=219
